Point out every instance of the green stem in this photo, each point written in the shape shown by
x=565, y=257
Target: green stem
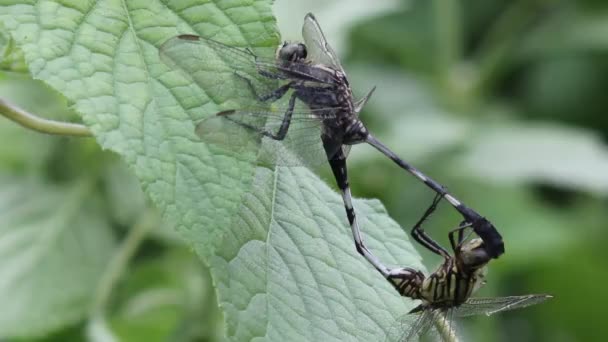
x=500, y=42
x=448, y=35
x=445, y=329
x=118, y=264
x=41, y=125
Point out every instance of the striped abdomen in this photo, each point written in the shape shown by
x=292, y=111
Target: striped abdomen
x=448, y=286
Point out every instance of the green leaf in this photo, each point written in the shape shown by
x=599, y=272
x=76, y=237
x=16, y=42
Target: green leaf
x=288, y=270
x=104, y=58
x=11, y=58
x=125, y=197
x=54, y=244
x=169, y=297
x=283, y=262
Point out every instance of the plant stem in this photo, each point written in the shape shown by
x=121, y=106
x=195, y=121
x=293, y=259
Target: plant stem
x=500, y=40
x=41, y=125
x=448, y=35
x=446, y=332
x=118, y=264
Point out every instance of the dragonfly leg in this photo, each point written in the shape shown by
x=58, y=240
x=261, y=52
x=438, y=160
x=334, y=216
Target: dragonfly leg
x=271, y=75
x=272, y=96
x=422, y=237
x=337, y=161
x=280, y=134
x=456, y=243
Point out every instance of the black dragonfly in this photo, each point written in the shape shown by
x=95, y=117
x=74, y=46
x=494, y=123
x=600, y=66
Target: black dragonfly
x=446, y=292
x=315, y=77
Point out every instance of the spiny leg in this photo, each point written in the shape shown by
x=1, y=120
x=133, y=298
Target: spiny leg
x=486, y=231
x=337, y=161
x=420, y=235
x=280, y=134
x=460, y=239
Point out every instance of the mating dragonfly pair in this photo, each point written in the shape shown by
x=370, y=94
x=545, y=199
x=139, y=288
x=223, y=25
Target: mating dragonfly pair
x=314, y=77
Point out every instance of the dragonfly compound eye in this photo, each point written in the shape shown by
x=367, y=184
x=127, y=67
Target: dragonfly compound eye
x=302, y=52
x=292, y=52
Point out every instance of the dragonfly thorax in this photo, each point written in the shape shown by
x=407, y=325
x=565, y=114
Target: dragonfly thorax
x=355, y=132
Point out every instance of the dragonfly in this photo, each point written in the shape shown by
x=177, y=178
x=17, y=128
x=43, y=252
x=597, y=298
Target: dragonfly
x=446, y=292
x=313, y=76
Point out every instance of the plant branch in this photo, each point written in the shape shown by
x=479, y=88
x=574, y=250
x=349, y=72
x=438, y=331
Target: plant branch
x=500, y=42
x=444, y=327
x=448, y=32
x=41, y=125
x=118, y=264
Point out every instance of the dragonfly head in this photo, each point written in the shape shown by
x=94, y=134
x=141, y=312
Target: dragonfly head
x=472, y=256
x=291, y=52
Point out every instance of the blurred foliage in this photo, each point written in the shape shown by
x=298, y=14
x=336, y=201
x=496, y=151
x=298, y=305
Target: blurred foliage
x=526, y=78
x=500, y=100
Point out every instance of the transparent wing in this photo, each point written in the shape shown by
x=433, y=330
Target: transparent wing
x=237, y=76
x=214, y=67
x=490, y=306
x=319, y=51
x=411, y=327
x=235, y=130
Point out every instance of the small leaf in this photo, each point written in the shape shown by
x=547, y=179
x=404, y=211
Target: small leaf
x=53, y=247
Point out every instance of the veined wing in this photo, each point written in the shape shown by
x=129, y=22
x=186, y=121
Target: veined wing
x=440, y=320
x=490, y=306
x=199, y=57
x=412, y=326
x=319, y=51
x=301, y=144
x=213, y=67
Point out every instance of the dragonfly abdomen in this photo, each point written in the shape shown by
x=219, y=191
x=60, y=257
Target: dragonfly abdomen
x=449, y=286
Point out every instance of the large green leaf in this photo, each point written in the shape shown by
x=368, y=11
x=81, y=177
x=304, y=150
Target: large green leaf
x=103, y=56
x=288, y=270
x=54, y=245
x=282, y=256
